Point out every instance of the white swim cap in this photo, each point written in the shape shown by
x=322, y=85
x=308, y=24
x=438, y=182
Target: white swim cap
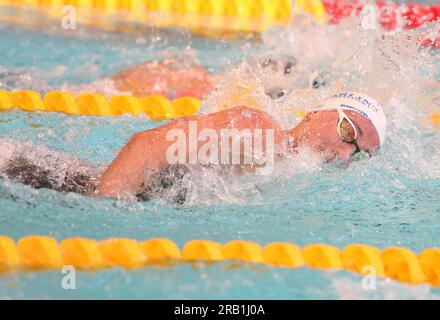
x=362, y=104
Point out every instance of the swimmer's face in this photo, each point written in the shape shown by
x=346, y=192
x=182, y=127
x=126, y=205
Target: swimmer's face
x=278, y=75
x=319, y=130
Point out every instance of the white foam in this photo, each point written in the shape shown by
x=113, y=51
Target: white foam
x=7, y=150
x=104, y=86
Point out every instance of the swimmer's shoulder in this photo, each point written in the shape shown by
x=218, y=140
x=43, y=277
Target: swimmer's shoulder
x=240, y=117
x=258, y=118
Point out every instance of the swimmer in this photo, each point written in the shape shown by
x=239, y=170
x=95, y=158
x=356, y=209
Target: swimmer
x=170, y=78
x=339, y=128
x=175, y=78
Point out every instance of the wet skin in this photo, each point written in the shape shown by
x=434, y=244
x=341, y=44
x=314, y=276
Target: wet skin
x=145, y=152
x=318, y=131
x=167, y=78
x=174, y=78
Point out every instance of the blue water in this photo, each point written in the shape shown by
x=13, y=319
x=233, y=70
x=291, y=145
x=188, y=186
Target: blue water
x=389, y=200
x=86, y=53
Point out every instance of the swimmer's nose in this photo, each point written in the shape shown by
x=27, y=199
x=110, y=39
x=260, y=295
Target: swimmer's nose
x=275, y=94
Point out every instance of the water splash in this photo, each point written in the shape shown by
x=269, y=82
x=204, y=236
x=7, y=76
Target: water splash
x=11, y=79
x=392, y=66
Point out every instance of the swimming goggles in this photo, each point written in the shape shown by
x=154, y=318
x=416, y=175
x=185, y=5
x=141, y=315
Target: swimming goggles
x=347, y=130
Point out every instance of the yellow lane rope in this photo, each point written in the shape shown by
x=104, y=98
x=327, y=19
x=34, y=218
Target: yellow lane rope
x=42, y=252
x=156, y=107
x=201, y=15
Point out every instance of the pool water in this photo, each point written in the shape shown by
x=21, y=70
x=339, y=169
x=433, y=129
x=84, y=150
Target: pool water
x=391, y=199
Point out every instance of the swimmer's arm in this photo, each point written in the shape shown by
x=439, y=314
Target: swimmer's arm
x=135, y=163
x=146, y=152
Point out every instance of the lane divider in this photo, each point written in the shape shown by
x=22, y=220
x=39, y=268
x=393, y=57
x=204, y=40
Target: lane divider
x=234, y=15
x=41, y=252
x=390, y=15
x=237, y=15
x=157, y=108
